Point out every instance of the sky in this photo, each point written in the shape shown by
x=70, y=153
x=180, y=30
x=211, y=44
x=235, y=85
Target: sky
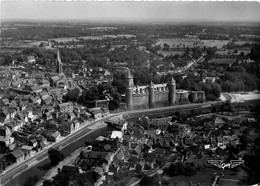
x=89, y=10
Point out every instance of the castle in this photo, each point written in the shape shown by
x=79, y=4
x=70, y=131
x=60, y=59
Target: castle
x=158, y=95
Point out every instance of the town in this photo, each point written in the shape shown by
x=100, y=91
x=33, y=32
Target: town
x=125, y=103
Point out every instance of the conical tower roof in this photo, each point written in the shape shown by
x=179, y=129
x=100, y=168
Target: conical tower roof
x=151, y=84
x=172, y=82
x=129, y=73
x=58, y=56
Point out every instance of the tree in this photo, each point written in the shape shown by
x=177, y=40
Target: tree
x=255, y=52
x=211, y=50
x=47, y=183
x=171, y=171
x=211, y=97
x=113, y=104
x=55, y=156
x=31, y=181
x=216, y=90
x=73, y=95
x=189, y=170
x=146, y=180
x=119, y=81
x=180, y=168
x=161, y=161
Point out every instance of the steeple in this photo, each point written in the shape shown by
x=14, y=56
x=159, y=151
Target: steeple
x=59, y=64
x=58, y=56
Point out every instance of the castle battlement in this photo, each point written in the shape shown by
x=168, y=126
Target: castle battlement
x=158, y=95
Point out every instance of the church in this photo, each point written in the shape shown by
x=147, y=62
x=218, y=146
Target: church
x=56, y=66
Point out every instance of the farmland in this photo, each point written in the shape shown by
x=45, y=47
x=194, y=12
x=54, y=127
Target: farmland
x=214, y=43
x=179, y=42
x=190, y=43
x=167, y=53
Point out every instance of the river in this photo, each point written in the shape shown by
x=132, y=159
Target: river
x=42, y=168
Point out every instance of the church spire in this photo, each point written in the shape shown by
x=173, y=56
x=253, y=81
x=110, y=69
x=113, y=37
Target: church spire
x=58, y=56
x=59, y=64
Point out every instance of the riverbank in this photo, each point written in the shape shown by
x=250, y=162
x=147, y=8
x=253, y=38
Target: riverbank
x=68, y=160
x=43, y=167
x=240, y=96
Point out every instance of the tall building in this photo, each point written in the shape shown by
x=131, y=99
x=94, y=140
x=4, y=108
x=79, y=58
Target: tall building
x=172, y=92
x=129, y=91
x=58, y=62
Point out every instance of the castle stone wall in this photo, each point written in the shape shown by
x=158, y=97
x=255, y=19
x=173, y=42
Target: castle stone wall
x=161, y=99
x=140, y=101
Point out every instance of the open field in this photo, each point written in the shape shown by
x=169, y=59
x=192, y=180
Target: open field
x=76, y=39
x=64, y=39
x=168, y=53
x=223, y=61
x=244, y=42
x=175, y=43
x=211, y=43
x=227, y=52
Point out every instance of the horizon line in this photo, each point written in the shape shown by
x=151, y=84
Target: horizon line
x=140, y=20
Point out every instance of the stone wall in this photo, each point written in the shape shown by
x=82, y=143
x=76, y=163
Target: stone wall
x=140, y=101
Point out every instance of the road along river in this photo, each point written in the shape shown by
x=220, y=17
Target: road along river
x=42, y=168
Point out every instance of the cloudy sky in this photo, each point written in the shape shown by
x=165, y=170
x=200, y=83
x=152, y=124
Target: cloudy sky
x=184, y=11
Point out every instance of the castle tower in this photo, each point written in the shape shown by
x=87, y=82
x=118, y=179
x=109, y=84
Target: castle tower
x=172, y=92
x=58, y=63
x=129, y=91
x=151, y=95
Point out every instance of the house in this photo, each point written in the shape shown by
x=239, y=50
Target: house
x=4, y=116
x=5, y=101
x=218, y=122
x=188, y=141
x=42, y=141
x=31, y=59
x=12, y=112
x=76, y=124
x=219, y=141
x=159, y=151
x=16, y=156
x=27, y=150
x=33, y=143
x=54, y=81
x=32, y=99
x=116, y=134
x=70, y=169
x=105, y=112
x=5, y=136
x=236, y=126
x=67, y=126
x=113, y=169
x=96, y=113
x=54, y=136
x=207, y=146
x=14, y=126
x=99, y=171
x=34, y=89
x=71, y=116
x=65, y=107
